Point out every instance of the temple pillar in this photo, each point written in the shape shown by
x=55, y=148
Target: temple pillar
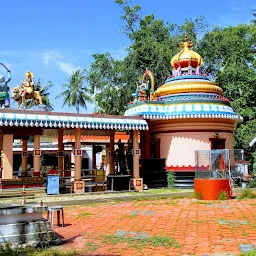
x=136, y=181
x=111, y=154
x=147, y=144
x=1, y=141
x=60, y=150
x=7, y=156
x=24, y=160
x=78, y=183
x=108, y=159
x=37, y=155
x=142, y=144
x=93, y=157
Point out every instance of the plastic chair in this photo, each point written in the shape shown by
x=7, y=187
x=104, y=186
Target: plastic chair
x=51, y=211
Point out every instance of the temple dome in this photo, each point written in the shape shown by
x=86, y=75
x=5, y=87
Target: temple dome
x=186, y=57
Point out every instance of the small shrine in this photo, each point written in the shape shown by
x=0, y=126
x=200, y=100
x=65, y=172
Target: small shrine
x=185, y=114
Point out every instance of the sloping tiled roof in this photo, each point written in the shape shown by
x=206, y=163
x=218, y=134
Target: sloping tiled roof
x=10, y=117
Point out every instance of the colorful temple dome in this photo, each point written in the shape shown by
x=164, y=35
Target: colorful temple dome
x=186, y=57
x=185, y=94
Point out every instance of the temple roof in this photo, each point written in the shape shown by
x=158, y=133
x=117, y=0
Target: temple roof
x=167, y=110
x=26, y=118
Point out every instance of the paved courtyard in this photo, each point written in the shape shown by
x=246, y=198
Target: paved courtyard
x=161, y=227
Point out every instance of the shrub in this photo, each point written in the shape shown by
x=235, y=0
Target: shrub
x=223, y=195
x=247, y=194
x=198, y=195
x=252, y=183
x=170, y=179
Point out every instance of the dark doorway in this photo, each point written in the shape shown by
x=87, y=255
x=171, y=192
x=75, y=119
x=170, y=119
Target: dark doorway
x=217, y=143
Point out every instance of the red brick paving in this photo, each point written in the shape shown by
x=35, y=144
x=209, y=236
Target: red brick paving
x=192, y=223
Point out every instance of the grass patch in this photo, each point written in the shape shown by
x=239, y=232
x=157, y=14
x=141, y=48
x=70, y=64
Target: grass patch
x=164, y=241
x=247, y=194
x=244, y=233
x=198, y=195
x=130, y=216
x=140, y=243
x=198, y=221
x=7, y=250
x=202, y=202
x=91, y=247
x=84, y=215
x=163, y=190
x=251, y=253
x=55, y=252
x=223, y=195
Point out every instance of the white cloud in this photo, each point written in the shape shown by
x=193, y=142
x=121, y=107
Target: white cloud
x=67, y=68
x=57, y=59
x=51, y=56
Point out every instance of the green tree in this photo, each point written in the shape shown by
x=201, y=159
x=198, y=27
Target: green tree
x=229, y=56
x=107, y=83
x=153, y=43
x=75, y=92
x=44, y=94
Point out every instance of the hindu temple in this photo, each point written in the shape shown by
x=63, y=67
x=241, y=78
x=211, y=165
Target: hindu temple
x=160, y=131
x=187, y=113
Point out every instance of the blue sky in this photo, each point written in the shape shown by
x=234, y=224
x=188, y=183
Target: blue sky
x=53, y=38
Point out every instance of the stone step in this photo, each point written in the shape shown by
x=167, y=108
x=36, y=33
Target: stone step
x=185, y=185
x=184, y=181
x=31, y=238
x=24, y=228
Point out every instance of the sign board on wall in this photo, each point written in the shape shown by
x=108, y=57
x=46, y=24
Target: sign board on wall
x=78, y=152
x=37, y=152
x=136, y=152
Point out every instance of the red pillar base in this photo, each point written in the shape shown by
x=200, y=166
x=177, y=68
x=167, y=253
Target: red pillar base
x=211, y=188
x=137, y=184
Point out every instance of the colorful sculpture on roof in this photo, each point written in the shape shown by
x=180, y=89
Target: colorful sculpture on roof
x=26, y=91
x=146, y=89
x=4, y=89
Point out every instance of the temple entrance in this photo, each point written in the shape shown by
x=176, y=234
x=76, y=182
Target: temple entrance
x=217, y=143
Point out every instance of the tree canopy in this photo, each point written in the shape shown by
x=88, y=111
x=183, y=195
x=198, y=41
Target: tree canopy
x=229, y=56
x=75, y=92
x=153, y=43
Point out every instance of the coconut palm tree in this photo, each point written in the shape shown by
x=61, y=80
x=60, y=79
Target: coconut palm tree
x=44, y=94
x=75, y=91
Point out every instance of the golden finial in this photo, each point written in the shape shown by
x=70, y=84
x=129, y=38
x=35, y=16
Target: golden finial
x=186, y=43
x=186, y=37
x=186, y=57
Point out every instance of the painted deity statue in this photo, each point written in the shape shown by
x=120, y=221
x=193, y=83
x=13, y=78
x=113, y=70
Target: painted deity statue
x=27, y=85
x=141, y=91
x=26, y=91
x=4, y=89
x=144, y=90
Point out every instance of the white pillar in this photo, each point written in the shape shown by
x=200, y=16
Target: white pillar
x=7, y=156
x=111, y=155
x=136, y=170
x=37, y=155
x=60, y=149
x=24, y=158
x=108, y=159
x=78, y=159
